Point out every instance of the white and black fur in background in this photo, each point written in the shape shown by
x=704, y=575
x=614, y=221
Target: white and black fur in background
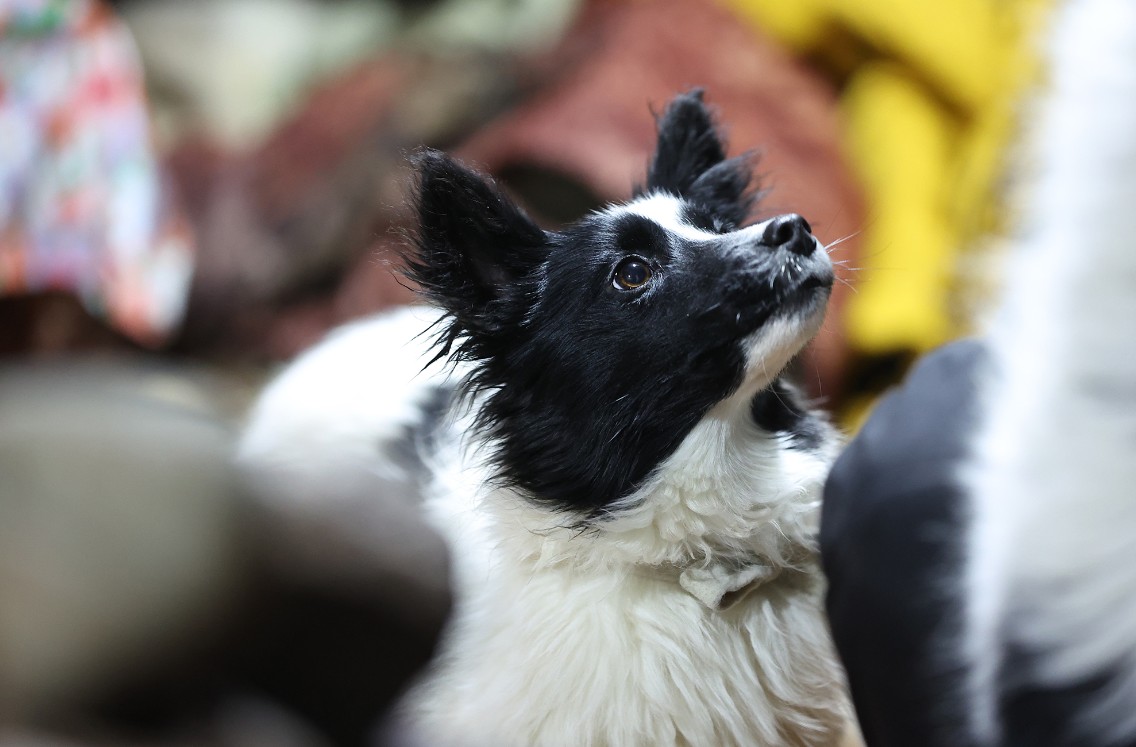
x=980, y=532
x=598, y=421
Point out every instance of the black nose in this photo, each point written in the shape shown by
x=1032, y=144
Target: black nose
x=791, y=232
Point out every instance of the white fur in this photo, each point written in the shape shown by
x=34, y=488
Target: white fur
x=666, y=211
x=312, y=444
x=586, y=639
x=331, y=407
x=563, y=636
x=1051, y=549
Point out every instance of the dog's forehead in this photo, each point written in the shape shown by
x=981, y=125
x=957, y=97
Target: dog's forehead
x=668, y=211
x=665, y=210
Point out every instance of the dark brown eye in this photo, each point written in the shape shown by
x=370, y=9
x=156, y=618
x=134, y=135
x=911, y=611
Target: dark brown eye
x=631, y=274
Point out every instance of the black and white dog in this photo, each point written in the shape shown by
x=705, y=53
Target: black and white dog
x=628, y=483
x=996, y=487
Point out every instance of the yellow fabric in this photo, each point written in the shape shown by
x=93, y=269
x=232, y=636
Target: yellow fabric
x=930, y=94
x=902, y=146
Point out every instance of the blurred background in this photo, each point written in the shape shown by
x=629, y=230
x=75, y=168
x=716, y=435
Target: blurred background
x=193, y=192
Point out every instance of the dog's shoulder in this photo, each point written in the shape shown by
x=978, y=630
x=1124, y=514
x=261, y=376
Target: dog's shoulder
x=346, y=403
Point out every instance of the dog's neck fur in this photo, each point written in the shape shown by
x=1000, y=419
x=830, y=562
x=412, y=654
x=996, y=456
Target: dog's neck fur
x=732, y=497
x=678, y=517
x=727, y=494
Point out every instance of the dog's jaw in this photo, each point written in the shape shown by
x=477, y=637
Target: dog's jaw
x=769, y=350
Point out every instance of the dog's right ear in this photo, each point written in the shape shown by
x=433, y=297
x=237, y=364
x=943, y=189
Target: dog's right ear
x=475, y=248
x=690, y=161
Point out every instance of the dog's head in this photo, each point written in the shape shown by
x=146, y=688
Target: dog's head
x=595, y=350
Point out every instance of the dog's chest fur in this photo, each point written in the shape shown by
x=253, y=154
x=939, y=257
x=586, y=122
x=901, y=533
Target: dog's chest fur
x=564, y=636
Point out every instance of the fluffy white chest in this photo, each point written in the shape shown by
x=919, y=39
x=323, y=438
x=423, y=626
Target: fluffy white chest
x=570, y=637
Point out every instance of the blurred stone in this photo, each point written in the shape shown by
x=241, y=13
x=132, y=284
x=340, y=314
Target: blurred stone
x=117, y=525
x=146, y=591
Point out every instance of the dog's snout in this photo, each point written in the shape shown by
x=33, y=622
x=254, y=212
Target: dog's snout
x=791, y=232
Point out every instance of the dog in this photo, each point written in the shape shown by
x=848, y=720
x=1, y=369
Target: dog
x=995, y=486
x=599, y=422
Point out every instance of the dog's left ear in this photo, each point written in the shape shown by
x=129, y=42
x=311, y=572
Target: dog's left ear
x=690, y=162
x=475, y=247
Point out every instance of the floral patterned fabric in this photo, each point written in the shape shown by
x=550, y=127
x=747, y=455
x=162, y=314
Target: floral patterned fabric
x=82, y=204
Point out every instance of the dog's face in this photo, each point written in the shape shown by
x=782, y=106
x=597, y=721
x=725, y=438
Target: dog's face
x=598, y=348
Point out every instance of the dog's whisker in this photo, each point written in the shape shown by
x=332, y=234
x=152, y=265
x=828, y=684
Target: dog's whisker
x=833, y=244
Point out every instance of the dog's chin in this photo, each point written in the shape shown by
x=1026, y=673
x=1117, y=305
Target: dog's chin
x=769, y=349
x=808, y=300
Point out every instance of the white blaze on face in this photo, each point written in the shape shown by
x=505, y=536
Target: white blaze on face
x=667, y=211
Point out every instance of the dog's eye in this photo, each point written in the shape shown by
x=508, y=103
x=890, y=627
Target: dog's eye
x=631, y=273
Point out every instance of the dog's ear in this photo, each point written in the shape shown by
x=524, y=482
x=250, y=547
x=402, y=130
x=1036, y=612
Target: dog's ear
x=690, y=161
x=474, y=247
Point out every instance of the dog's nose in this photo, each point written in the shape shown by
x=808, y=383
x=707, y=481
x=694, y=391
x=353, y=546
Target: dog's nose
x=791, y=232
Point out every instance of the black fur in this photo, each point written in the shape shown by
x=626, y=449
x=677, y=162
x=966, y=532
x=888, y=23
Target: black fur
x=586, y=387
x=476, y=254
x=779, y=409
x=419, y=436
x=690, y=161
